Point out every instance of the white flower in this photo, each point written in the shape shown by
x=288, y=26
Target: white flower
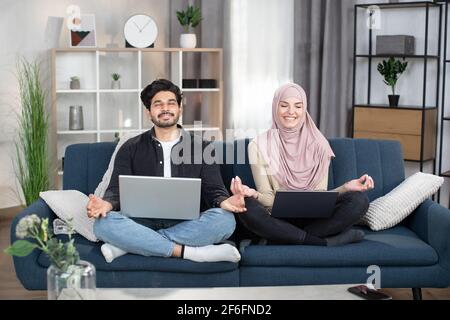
x=26, y=224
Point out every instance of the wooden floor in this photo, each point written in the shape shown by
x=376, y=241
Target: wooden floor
x=10, y=287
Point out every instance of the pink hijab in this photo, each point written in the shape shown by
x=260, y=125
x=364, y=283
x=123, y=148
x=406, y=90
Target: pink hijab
x=298, y=158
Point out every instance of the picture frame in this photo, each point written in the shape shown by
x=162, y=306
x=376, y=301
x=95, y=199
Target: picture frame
x=84, y=35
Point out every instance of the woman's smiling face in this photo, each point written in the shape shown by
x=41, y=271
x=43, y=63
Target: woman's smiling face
x=290, y=112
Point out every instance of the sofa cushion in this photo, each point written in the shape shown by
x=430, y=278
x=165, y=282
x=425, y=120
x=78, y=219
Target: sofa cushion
x=383, y=160
x=389, y=210
x=70, y=206
x=394, y=247
x=85, y=164
x=91, y=252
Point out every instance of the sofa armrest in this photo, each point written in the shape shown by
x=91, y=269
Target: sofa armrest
x=431, y=222
x=27, y=269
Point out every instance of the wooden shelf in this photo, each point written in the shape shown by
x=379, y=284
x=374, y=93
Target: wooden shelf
x=76, y=91
x=201, y=90
x=75, y=132
x=119, y=90
x=385, y=106
x=416, y=4
x=217, y=50
x=105, y=108
x=396, y=56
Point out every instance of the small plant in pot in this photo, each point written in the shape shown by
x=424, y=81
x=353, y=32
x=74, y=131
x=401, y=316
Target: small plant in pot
x=75, y=83
x=391, y=70
x=189, y=19
x=115, y=84
x=68, y=277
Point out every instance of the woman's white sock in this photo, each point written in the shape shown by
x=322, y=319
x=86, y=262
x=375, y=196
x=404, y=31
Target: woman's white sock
x=110, y=252
x=212, y=253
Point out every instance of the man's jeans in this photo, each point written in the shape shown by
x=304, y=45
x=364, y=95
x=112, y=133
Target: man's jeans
x=151, y=237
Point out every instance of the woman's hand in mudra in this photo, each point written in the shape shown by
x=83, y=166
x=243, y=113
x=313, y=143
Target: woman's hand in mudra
x=238, y=188
x=363, y=184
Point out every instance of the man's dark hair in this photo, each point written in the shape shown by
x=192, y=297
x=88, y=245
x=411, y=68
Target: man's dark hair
x=157, y=86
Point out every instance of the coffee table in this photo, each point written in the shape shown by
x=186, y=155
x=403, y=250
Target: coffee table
x=326, y=292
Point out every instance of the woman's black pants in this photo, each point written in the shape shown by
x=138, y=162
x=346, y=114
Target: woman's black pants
x=349, y=209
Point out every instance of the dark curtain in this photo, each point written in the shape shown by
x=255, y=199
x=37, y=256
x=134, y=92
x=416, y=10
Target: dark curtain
x=323, y=53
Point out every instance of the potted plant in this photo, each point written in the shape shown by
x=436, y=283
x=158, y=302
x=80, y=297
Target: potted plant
x=75, y=83
x=391, y=70
x=115, y=83
x=32, y=163
x=190, y=18
x=68, y=277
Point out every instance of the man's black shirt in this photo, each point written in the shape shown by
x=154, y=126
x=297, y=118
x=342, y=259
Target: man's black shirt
x=143, y=156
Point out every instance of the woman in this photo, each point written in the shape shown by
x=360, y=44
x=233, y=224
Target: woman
x=294, y=155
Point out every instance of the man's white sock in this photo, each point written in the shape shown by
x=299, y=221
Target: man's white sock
x=212, y=253
x=110, y=252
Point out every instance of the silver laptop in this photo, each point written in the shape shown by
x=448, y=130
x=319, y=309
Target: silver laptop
x=160, y=198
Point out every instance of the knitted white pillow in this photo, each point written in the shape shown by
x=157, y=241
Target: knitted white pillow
x=389, y=210
x=71, y=205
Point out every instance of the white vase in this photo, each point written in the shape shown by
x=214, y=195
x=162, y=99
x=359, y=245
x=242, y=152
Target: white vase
x=188, y=40
x=115, y=84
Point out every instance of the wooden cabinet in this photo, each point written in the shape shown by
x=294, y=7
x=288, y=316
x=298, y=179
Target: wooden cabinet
x=402, y=124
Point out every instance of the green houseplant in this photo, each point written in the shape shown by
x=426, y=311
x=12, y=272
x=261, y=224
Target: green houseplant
x=115, y=83
x=32, y=163
x=189, y=19
x=68, y=277
x=391, y=70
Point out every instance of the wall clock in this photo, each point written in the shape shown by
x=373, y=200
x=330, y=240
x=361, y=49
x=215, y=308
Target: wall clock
x=140, y=31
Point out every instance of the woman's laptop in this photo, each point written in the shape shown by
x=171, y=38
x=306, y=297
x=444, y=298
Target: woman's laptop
x=304, y=204
x=160, y=198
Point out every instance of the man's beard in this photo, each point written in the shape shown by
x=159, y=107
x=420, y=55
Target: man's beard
x=165, y=124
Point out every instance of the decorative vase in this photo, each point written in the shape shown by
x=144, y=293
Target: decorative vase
x=115, y=84
x=78, y=282
x=393, y=100
x=188, y=40
x=76, y=118
x=75, y=84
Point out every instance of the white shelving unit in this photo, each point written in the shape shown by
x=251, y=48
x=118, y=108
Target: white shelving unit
x=109, y=111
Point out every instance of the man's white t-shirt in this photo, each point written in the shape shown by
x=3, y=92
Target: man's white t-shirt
x=167, y=151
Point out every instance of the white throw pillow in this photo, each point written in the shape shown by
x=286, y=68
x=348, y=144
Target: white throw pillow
x=71, y=204
x=389, y=210
x=101, y=188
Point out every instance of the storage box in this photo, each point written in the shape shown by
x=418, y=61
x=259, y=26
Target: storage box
x=208, y=83
x=395, y=45
x=190, y=83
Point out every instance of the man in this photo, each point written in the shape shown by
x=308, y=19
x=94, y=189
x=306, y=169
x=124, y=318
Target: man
x=152, y=154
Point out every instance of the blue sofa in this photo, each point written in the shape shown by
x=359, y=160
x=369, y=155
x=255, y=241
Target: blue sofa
x=414, y=254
